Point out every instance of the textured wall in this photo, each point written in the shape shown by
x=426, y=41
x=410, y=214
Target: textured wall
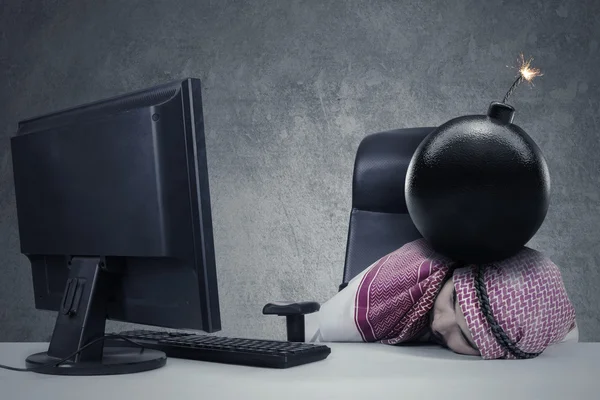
x=290, y=89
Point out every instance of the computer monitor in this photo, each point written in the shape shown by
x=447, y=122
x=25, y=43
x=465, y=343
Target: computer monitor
x=114, y=215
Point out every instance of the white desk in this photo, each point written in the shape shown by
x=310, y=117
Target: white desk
x=353, y=370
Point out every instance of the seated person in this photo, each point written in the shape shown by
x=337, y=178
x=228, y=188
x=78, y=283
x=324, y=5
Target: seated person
x=513, y=309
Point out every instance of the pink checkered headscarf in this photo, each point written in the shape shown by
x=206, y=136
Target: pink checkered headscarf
x=395, y=295
x=528, y=301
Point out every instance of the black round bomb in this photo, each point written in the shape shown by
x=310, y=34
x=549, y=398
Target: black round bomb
x=478, y=187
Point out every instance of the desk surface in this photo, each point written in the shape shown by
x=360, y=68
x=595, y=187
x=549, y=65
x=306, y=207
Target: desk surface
x=353, y=370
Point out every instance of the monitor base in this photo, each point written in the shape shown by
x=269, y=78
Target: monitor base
x=115, y=361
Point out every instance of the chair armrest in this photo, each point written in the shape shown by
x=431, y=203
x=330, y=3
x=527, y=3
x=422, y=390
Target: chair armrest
x=291, y=308
x=294, y=316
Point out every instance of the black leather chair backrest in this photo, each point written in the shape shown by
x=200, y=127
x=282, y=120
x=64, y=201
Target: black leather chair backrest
x=379, y=221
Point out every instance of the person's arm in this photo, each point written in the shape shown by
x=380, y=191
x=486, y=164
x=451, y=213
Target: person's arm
x=334, y=322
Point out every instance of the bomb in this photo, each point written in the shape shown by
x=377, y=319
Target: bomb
x=478, y=187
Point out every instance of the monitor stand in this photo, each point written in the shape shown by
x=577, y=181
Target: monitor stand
x=82, y=319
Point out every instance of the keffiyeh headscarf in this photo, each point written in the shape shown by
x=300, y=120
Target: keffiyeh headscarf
x=396, y=294
x=515, y=308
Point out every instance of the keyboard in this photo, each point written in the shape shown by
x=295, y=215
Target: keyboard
x=249, y=352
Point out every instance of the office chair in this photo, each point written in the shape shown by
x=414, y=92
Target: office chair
x=379, y=220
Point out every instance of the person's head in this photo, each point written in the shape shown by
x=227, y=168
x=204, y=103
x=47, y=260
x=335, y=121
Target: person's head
x=448, y=325
x=522, y=297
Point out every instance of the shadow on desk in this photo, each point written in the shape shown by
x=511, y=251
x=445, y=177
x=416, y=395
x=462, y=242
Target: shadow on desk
x=431, y=351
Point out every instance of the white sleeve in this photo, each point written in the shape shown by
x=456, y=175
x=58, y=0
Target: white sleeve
x=572, y=336
x=335, y=320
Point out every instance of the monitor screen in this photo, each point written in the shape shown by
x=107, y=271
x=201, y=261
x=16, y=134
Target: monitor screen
x=124, y=180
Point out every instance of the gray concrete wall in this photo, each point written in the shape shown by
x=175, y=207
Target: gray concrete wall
x=290, y=89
